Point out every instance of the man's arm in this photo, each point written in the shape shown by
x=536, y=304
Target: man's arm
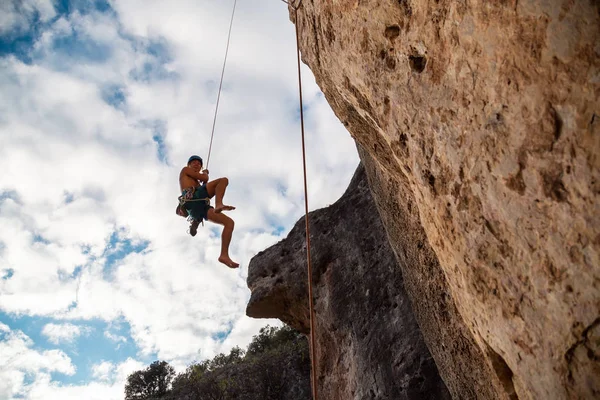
x=195, y=175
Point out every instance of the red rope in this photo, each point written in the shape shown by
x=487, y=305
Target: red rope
x=310, y=288
x=309, y=266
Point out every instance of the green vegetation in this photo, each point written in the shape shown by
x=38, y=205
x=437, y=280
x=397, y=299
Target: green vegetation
x=276, y=366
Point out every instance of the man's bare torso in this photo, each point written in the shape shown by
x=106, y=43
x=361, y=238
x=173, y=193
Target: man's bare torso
x=186, y=181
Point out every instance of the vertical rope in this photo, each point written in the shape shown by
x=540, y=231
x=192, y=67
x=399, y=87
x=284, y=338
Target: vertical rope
x=220, y=84
x=310, y=288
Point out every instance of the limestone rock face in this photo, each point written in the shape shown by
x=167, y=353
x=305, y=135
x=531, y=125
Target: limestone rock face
x=480, y=127
x=369, y=345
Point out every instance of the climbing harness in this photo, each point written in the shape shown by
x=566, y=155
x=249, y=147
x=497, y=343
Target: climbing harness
x=309, y=266
x=220, y=84
x=188, y=196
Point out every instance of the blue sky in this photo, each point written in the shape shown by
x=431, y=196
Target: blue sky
x=103, y=102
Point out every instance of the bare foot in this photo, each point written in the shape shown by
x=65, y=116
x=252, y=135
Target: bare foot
x=222, y=207
x=227, y=261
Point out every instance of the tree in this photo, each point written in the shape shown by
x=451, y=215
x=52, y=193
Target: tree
x=271, y=337
x=152, y=383
x=221, y=360
x=276, y=366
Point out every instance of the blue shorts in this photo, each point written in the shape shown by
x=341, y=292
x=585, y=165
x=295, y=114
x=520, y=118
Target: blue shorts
x=197, y=203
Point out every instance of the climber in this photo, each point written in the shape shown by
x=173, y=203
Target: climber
x=196, y=192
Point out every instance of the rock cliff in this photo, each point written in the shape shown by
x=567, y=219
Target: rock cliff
x=368, y=343
x=479, y=123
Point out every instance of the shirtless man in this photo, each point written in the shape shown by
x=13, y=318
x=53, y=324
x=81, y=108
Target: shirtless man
x=198, y=203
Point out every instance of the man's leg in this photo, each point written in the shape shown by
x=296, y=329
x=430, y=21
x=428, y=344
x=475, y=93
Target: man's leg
x=217, y=188
x=228, y=224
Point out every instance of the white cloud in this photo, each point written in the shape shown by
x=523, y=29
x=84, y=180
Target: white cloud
x=64, y=333
x=103, y=371
x=26, y=372
x=115, y=337
x=106, y=387
x=19, y=360
x=15, y=15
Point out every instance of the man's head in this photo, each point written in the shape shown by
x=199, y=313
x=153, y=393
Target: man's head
x=195, y=162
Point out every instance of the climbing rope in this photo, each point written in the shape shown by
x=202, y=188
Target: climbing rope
x=309, y=266
x=220, y=85
x=308, y=258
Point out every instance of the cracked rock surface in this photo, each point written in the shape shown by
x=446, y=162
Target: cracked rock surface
x=479, y=123
x=369, y=345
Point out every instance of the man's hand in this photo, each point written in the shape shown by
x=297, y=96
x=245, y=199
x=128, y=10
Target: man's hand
x=205, y=171
x=197, y=176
